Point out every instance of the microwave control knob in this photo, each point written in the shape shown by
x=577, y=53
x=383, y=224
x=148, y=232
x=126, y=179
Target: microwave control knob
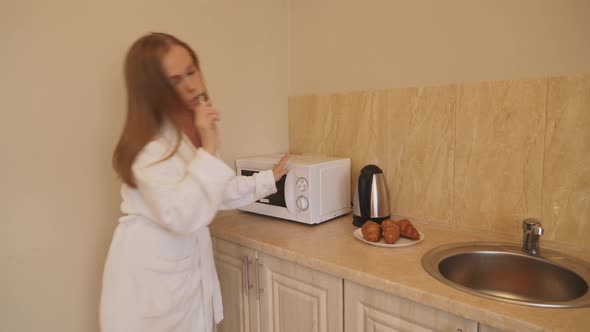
x=302, y=203
x=301, y=184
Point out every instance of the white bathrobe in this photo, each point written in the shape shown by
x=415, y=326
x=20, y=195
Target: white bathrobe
x=160, y=275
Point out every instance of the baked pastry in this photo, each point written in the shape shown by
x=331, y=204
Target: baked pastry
x=371, y=231
x=388, y=222
x=407, y=229
x=391, y=232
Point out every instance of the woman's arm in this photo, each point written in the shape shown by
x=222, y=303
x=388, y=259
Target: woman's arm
x=243, y=190
x=182, y=197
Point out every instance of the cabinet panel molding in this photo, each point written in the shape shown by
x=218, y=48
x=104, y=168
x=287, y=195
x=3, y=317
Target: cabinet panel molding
x=296, y=298
x=368, y=309
x=239, y=304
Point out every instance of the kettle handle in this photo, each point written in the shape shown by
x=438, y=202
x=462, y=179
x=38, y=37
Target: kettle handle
x=365, y=184
x=364, y=188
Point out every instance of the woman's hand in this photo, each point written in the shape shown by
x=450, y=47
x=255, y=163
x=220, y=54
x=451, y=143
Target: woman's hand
x=278, y=170
x=206, y=118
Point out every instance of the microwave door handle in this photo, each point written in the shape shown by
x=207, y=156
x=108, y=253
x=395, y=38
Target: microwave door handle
x=290, y=192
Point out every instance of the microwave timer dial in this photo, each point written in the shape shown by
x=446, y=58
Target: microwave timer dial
x=302, y=203
x=301, y=184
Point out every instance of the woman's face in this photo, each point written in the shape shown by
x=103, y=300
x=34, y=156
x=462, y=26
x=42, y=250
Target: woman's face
x=183, y=75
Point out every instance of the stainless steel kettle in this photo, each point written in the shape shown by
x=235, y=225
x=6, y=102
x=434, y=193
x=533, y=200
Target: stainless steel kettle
x=371, y=197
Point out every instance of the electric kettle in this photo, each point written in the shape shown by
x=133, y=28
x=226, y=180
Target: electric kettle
x=371, y=197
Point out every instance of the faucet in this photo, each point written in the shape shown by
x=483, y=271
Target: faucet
x=531, y=233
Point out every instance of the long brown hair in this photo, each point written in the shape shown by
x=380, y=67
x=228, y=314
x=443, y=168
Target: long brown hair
x=150, y=98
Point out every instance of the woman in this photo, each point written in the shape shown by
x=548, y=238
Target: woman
x=159, y=274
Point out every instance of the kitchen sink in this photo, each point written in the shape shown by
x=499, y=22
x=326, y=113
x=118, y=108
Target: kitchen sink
x=503, y=272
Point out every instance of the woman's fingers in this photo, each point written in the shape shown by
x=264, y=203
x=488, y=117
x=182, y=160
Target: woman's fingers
x=283, y=161
x=207, y=110
x=214, y=114
x=280, y=169
x=206, y=116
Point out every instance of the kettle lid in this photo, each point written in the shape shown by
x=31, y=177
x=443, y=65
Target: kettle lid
x=371, y=169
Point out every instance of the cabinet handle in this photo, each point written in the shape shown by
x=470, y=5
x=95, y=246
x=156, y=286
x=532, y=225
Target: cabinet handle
x=259, y=290
x=247, y=263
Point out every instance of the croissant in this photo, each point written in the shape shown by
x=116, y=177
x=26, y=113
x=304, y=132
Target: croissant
x=407, y=229
x=388, y=222
x=371, y=231
x=391, y=232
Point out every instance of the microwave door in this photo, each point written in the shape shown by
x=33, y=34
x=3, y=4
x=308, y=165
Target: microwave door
x=278, y=199
x=290, y=193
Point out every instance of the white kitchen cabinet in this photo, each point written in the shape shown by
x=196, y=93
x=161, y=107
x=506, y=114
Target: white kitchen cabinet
x=240, y=307
x=295, y=298
x=281, y=297
x=367, y=309
x=262, y=293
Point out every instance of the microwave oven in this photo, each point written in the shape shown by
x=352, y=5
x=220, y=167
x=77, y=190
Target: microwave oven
x=314, y=190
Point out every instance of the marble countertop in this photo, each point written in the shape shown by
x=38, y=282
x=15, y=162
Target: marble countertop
x=331, y=248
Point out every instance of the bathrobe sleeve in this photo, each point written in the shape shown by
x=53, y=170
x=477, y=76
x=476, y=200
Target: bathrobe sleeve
x=182, y=197
x=243, y=190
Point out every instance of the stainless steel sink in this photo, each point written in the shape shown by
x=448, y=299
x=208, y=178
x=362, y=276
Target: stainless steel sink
x=503, y=272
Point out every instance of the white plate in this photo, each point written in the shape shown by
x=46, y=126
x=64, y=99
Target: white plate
x=402, y=242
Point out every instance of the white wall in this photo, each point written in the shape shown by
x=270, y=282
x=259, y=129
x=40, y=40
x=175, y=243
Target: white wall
x=62, y=107
x=349, y=45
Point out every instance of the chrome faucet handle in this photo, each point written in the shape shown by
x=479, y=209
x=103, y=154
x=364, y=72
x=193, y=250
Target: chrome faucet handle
x=532, y=230
x=530, y=223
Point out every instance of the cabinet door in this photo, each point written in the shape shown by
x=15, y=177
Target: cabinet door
x=295, y=298
x=367, y=309
x=235, y=266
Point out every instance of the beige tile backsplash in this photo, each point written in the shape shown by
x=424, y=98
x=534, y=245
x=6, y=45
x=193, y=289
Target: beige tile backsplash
x=566, y=174
x=499, y=138
x=419, y=165
x=480, y=156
